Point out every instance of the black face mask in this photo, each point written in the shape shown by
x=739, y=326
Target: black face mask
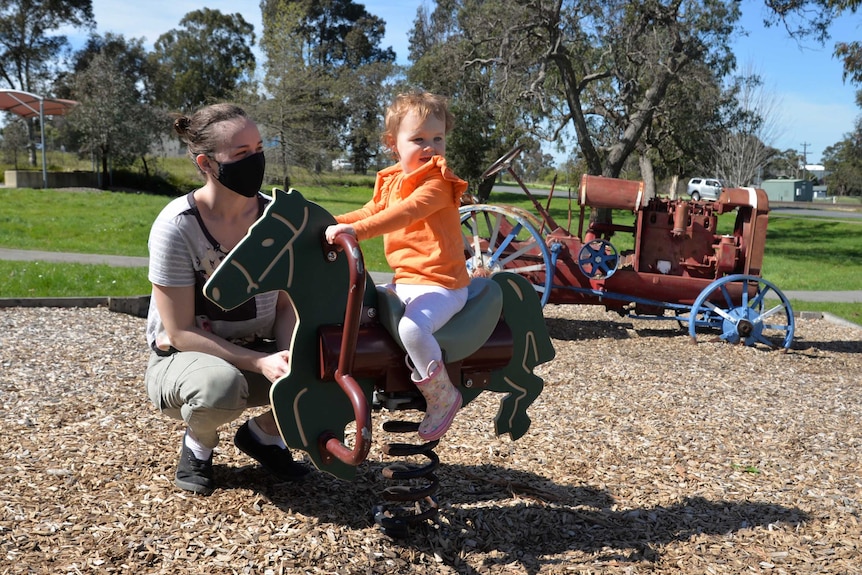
x=244, y=176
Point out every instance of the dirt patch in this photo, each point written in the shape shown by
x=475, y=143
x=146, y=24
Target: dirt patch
x=646, y=454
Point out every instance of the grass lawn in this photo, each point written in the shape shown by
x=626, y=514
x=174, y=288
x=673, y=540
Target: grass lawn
x=811, y=253
x=814, y=253
x=49, y=279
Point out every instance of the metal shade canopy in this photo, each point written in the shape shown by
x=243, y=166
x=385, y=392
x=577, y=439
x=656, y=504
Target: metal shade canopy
x=29, y=105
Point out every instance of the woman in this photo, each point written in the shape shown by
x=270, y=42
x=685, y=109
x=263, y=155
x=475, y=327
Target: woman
x=208, y=365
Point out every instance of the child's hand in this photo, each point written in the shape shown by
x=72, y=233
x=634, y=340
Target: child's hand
x=333, y=231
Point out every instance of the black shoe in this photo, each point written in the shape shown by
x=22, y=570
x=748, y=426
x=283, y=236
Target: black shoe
x=193, y=474
x=273, y=458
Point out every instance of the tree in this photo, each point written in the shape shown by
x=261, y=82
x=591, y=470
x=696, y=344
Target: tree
x=128, y=54
x=843, y=163
x=678, y=140
x=28, y=53
x=343, y=41
x=290, y=84
x=601, y=71
x=484, y=130
x=851, y=54
x=366, y=101
x=111, y=122
x=782, y=164
x=341, y=33
x=207, y=58
x=15, y=138
x=752, y=125
x=811, y=19
x=324, y=72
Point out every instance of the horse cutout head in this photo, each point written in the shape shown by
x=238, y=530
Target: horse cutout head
x=286, y=250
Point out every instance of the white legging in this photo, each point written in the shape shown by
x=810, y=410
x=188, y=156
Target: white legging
x=427, y=309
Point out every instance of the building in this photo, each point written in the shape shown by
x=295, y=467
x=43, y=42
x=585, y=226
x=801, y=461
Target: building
x=786, y=190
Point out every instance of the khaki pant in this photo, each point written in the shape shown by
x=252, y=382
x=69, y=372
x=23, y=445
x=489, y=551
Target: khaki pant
x=203, y=390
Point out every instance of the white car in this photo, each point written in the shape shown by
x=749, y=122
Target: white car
x=704, y=188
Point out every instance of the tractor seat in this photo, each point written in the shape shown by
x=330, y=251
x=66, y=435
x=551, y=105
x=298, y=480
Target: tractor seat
x=468, y=329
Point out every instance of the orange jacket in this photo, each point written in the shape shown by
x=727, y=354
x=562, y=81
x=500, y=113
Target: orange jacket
x=417, y=214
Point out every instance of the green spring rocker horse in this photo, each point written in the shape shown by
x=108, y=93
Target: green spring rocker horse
x=347, y=360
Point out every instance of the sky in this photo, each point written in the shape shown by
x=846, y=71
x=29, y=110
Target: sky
x=816, y=107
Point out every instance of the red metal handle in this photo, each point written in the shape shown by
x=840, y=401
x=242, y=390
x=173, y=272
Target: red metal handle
x=330, y=445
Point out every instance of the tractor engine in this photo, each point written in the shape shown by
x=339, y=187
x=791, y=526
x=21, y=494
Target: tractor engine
x=681, y=237
x=676, y=237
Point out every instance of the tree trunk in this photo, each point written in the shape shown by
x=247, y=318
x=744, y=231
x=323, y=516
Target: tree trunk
x=104, y=182
x=648, y=176
x=31, y=146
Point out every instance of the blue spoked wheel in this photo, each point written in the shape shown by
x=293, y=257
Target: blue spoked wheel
x=598, y=259
x=506, y=238
x=762, y=316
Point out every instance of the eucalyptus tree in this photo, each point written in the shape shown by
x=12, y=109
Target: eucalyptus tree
x=323, y=80
x=484, y=129
x=31, y=43
x=208, y=58
x=30, y=38
x=128, y=54
x=804, y=19
x=679, y=138
x=599, y=70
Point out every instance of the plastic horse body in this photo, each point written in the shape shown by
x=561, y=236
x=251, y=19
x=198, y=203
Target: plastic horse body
x=342, y=320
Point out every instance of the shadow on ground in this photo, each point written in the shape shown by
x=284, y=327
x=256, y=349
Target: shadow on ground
x=517, y=517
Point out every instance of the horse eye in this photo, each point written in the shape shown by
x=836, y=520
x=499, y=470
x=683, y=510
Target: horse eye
x=267, y=242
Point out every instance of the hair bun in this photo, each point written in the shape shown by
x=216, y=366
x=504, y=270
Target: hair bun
x=181, y=124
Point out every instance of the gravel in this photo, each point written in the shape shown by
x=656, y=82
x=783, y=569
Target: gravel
x=647, y=454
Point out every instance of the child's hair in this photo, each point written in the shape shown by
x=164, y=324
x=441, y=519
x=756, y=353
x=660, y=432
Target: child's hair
x=200, y=131
x=424, y=103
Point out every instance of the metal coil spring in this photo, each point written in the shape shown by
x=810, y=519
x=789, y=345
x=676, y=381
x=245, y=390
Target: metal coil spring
x=409, y=504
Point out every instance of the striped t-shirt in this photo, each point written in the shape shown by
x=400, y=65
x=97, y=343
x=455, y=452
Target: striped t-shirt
x=183, y=253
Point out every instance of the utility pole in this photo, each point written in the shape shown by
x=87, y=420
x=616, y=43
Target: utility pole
x=804, y=158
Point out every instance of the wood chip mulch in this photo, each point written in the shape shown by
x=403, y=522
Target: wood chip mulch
x=647, y=454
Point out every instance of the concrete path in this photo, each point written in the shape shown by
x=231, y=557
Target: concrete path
x=58, y=257
x=118, y=261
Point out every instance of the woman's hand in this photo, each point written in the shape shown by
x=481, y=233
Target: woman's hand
x=275, y=366
x=336, y=229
